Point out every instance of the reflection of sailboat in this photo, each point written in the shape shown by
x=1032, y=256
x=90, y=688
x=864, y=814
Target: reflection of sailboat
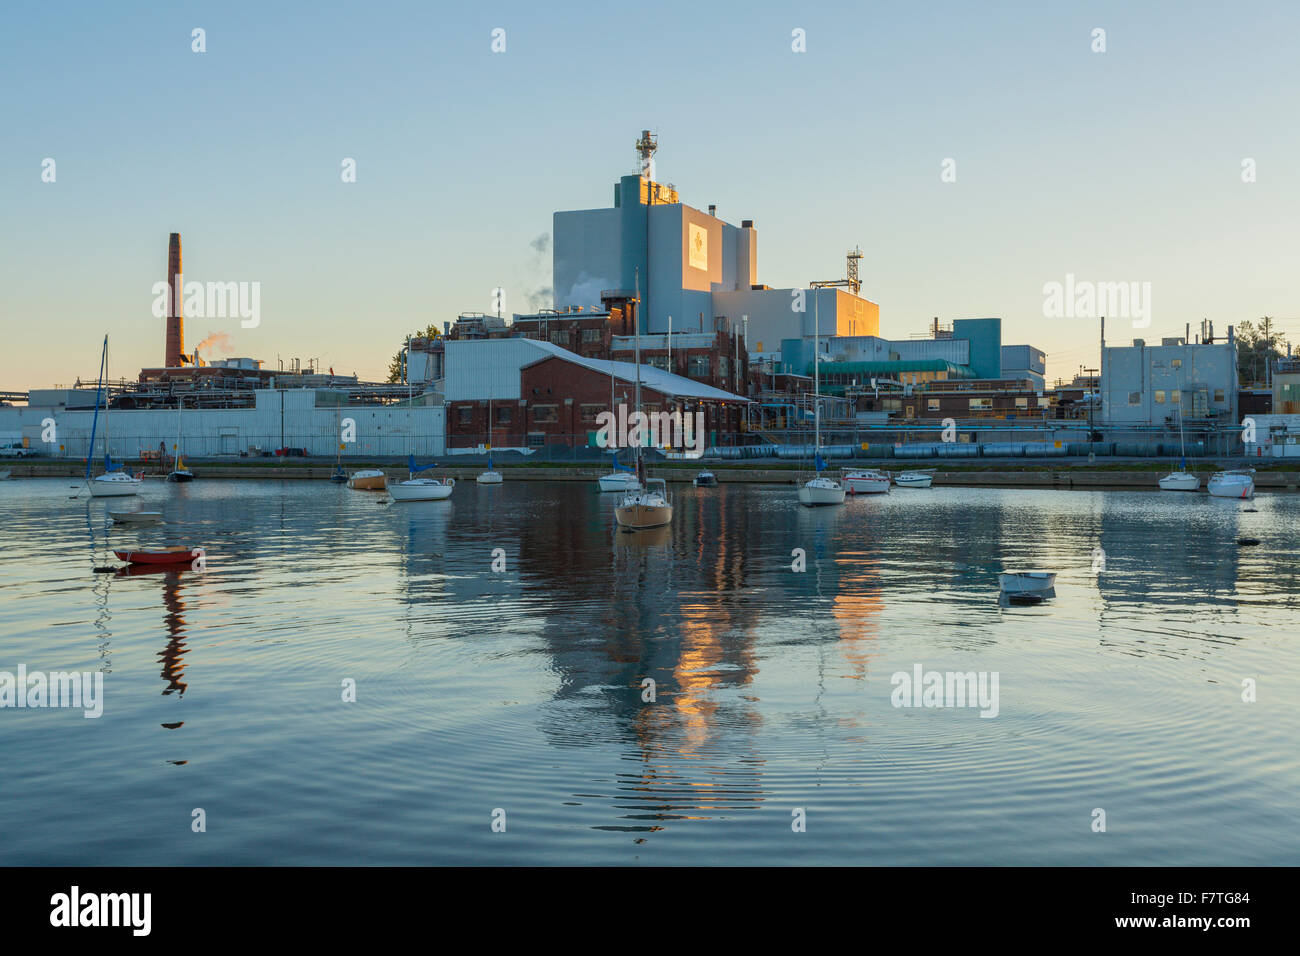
x=1180, y=480
x=651, y=507
x=113, y=483
x=819, y=490
x=179, y=472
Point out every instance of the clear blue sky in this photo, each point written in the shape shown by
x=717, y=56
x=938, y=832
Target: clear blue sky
x=1123, y=165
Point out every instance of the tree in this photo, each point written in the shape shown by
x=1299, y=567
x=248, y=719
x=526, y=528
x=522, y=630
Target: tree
x=395, y=366
x=1257, y=350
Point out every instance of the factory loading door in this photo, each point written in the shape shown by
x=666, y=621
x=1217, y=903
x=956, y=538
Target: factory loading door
x=229, y=444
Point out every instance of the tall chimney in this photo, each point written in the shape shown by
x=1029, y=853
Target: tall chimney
x=175, y=346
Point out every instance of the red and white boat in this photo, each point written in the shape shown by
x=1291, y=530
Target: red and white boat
x=175, y=555
x=869, y=482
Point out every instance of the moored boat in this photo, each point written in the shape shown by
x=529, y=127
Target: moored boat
x=173, y=555
x=651, y=508
x=866, y=482
x=1234, y=483
x=369, y=479
x=914, y=479
x=1179, y=481
x=619, y=481
x=422, y=489
x=1014, y=582
x=821, y=491
x=114, y=484
x=706, y=479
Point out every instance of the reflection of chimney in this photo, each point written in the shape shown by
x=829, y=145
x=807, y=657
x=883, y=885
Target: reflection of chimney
x=175, y=356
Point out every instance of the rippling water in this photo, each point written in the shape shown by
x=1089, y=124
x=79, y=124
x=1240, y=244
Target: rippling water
x=521, y=689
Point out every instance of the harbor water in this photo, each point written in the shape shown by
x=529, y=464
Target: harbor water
x=504, y=678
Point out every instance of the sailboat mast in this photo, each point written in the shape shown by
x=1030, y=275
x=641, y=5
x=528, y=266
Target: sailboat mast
x=410, y=417
x=636, y=347
x=817, y=405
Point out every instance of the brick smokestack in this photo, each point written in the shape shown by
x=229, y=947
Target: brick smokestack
x=175, y=357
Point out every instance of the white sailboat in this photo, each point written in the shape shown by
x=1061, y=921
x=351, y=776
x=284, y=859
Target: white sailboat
x=1233, y=483
x=619, y=479
x=1180, y=480
x=819, y=490
x=179, y=472
x=418, y=489
x=868, y=481
x=649, y=505
x=489, y=477
x=114, y=482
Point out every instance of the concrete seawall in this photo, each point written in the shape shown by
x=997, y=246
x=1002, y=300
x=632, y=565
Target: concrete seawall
x=1083, y=476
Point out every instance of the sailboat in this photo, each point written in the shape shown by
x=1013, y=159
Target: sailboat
x=489, y=477
x=819, y=490
x=418, y=489
x=339, y=475
x=649, y=505
x=114, y=482
x=179, y=472
x=621, y=478
x=1180, y=480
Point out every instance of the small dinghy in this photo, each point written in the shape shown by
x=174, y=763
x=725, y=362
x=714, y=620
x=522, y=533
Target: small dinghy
x=136, y=517
x=706, y=479
x=1021, y=582
x=174, y=555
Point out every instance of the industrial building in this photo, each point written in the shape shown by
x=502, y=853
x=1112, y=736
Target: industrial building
x=539, y=394
x=1148, y=384
x=687, y=266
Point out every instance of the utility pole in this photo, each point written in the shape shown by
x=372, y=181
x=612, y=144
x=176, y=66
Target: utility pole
x=1095, y=392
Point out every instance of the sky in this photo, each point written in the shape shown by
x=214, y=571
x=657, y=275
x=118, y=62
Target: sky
x=1117, y=166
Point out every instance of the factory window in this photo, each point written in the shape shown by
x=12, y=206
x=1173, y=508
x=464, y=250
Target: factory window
x=503, y=416
x=698, y=366
x=591, y=335
x=1135, y=398
x=658, y=361
x=1218, y=394
x=1160, y=396
x=1177, y=363
x=976, y=403
x=722, y=367
x=465, y=414
x=1022, y=403
x=589, y=412
x=1176, y=397
x=545, y=414
x=559, y=338
x=932, y=404
x=536, y=439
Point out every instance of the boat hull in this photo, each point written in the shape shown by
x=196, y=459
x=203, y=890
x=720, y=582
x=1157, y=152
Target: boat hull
x=618, y=482
x=1026, y=581
x=422, y=489
x=164, y=556
x=913, y=481
x=638, y=517
x=1180, y=482
x=368, y=481
x=866, y=484
x=114, y=487
x=180, y=476
x=1232, y=488
x=821, y=491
